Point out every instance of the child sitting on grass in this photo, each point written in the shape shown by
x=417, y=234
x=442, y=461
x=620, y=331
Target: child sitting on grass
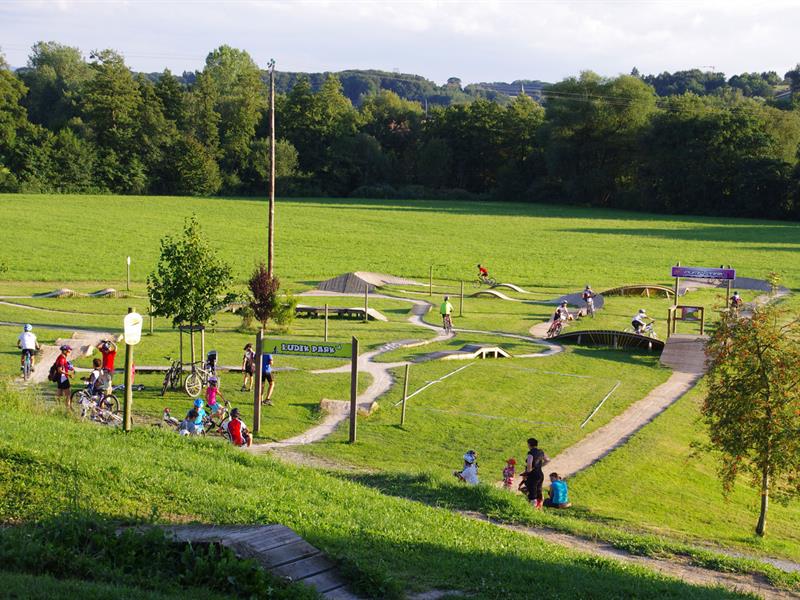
x=188, y=425
x=469, y=474
x=508, y=473
x=557, y=495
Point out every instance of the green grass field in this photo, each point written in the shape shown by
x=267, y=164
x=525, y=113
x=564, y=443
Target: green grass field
x=491, y=406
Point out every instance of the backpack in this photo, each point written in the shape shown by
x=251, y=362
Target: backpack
x=54, y=375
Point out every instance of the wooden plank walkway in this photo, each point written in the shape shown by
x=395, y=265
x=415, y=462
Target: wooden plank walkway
x=277, y=549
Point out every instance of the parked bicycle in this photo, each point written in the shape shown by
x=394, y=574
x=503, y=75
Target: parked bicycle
x=555, y=328
x=197, y=378
x=173, y=376
x=217, y=424
x=101, y=408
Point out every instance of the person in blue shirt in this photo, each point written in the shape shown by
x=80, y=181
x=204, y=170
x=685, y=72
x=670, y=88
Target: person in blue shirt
x=267, y=376
x=201, y=413
x=558, y=495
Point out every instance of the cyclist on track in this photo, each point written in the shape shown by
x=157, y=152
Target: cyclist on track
x=29, y=344
x=639, y=321
x=562, y=312
x=483, y=272
x=446, y=310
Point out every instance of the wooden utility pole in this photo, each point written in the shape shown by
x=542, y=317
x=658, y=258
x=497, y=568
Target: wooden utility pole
x=257, y=385
x=127, y=408
x=405, y=397
x=270, y=254
x=353, y=390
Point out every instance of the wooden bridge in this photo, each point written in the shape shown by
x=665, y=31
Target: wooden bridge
x=611, y=339
x=640, y=290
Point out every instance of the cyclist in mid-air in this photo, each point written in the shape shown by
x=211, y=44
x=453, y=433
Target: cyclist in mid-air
x=446, y=310
x=29, y=345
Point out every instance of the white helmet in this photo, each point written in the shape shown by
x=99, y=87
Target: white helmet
x=28, y=327
x=641, y=312
x=469, y=457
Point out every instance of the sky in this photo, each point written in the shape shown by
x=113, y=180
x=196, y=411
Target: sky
x=486, y=40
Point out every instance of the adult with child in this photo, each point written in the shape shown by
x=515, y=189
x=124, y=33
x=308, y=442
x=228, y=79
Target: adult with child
x=534, y=475
x=248, y=367
x=269, y=377
x=557, y=495
x=588, y=298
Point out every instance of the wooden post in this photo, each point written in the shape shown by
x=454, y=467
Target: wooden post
x=128, y=274
x=149, y=314
x=180, y=330
x=702, y=320
x=257, y=381
x=728, y=295
x=677, y=283
x=461, y=302
x=126, y=410
x=405, y=397
x=191, y=341
x=366, y=304
x=353, y=390
x=202, y=343
x=430, y=280
x=669, y=322
x=271, y=245
x=326, y=322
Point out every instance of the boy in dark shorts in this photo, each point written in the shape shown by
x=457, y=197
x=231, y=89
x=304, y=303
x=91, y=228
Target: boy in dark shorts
x=267, y=376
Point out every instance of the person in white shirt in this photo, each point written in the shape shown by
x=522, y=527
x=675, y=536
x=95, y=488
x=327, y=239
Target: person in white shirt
x=469, y=474
x=28, y=343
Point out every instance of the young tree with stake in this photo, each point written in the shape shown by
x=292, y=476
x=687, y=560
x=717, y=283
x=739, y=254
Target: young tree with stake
x=752, y=408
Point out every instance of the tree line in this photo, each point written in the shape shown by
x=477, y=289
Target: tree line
x=73, y=125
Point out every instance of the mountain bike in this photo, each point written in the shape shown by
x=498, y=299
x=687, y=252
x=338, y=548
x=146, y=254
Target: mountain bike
x=26, y=365
x=172, y=378
x=102, y=401
x=481, y=281
x=555, y=328
x=447, y=323
x=218, y=424
x=646, y=331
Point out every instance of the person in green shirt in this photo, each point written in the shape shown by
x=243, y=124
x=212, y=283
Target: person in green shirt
x=446, y=310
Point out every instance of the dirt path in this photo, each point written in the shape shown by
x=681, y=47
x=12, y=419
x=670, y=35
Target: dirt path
x=739, y=582
x=82, y=343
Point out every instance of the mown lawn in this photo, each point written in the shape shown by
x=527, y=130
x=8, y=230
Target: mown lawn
x=386, y=545
x=528, y=244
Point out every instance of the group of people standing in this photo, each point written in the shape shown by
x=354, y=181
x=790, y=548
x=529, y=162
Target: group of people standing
x=532, y=478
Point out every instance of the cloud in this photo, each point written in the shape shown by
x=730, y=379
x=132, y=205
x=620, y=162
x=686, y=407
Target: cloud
x=475, y=40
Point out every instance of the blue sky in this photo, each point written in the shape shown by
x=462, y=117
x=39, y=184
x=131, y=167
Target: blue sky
x=488, y=40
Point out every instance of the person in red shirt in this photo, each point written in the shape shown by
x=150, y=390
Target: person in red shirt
x=483, y=272
x=65, y=371
x=109, y=351
x=240, y=436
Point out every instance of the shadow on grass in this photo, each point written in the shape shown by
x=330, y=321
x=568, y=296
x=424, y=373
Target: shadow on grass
x=776, y=233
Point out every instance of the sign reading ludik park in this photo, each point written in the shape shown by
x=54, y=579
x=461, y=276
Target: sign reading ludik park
x=318, y=349
x=704, y=273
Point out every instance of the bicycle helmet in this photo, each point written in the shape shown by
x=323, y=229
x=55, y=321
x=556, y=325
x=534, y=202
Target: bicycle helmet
x=213, y=380
x=564, y=303
x=235, y=413
x=446, y=298
x=198, y=403
x=511, y=461
x=64, y=348
x=28, y=327
x=641, y=312
x=470, y=457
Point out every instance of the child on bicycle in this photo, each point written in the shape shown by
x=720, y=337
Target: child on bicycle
x=446, y=310
x=638, y=322
x=212, y=393
x=29, y=345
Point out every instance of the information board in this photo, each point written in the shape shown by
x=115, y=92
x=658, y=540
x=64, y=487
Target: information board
x=704, y=272
x=306, y=348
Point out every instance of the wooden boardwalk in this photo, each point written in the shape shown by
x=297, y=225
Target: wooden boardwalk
x=276, y=548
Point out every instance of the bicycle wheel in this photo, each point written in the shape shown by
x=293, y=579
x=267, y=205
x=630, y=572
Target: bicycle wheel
x=477, y=283
x=110, y=403
x=167, y=378
x=491, y=282
x=176, y=378
x=193, y=385
x=26, y=368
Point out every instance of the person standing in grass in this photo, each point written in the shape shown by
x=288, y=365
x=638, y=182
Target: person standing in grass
x=558, y=496
x=267, y=376
x=109, y=351
x=64, y=370
x=534, y=462
x=248, y=367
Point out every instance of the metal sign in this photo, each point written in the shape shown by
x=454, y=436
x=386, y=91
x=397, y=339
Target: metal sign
x=704, y=273
x=305, y=348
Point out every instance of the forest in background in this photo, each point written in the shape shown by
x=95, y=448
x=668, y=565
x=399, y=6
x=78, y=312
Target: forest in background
x=690, y=142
